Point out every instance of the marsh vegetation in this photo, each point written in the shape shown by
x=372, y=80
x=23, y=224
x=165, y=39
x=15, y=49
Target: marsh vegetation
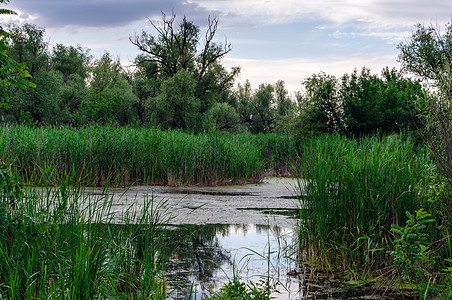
x=372, y=154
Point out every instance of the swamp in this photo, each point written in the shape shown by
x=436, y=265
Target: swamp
x=322, y=233
x=168, y=179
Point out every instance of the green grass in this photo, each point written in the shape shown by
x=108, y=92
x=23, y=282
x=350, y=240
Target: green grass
x=355, y=190
x=125, y=156
x=60, y=243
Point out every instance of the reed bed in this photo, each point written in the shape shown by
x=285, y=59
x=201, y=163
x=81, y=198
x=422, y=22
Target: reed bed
x=125, y=156
x=354, y=190
x=61, y=243
x=279, y=152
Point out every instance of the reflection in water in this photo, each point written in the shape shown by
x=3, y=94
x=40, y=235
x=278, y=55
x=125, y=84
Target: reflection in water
x=203, y=257
x=209, y=254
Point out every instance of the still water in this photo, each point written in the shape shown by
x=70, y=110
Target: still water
x=213, y=254
x=247, y=231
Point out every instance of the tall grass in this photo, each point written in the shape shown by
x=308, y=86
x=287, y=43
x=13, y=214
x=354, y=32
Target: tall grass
x=279, y=152
x=355, y=190
x=60, y=243
x=124, y=156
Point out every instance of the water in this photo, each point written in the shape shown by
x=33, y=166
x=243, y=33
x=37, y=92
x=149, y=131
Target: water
x=215, y=253
x=272, y=202
x=260, y=243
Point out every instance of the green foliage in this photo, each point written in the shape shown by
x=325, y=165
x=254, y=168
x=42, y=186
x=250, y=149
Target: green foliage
x=222, y=116
x=70, y=60
x=321, y=104
x=176, y=106
x=264, y=109
x=283, y=102
x=448, y=276
x=411, y=245
x=60, y=79
x=12, y=73
x=28, y=47
x=176, y=50
x=237, y=290
x=110, y=98
x=425, y=54
x=355, y=190
x=410, y=252
x=373, y=104
x=43, y=104
x=358, y=104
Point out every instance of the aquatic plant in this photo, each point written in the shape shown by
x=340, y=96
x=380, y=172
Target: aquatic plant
x=354, y=191
x=124, y=156
x=66, y=243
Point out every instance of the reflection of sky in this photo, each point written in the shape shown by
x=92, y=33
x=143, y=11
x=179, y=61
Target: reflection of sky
x=240, y=243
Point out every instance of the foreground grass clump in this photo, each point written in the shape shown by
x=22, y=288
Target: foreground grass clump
x=123, y=156
x=355, y=190
x=63, y=244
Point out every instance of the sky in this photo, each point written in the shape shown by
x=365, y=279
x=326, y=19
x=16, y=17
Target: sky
x=275, y=40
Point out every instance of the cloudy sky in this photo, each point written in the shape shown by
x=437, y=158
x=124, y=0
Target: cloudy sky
x=271, y=40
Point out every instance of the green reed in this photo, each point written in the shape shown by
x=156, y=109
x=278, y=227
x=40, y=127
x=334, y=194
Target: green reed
x=279, y=152
x=123, y=156
x=354, y=190
x=63, y=243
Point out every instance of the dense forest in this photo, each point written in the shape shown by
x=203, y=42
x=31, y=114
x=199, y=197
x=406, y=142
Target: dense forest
x=178, y=82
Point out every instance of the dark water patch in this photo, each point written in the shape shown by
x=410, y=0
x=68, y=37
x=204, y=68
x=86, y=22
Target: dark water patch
x=289, y=212
x=291, y=197
x=208, y=192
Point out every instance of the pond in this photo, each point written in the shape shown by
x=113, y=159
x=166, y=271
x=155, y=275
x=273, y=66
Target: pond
x=247, y=230
x=272, y=202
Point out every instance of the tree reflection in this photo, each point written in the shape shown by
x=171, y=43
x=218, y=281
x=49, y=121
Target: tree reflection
x=198, y=256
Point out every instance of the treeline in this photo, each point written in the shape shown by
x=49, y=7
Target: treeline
x=178, y=83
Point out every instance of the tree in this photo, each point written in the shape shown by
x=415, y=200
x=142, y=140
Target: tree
x=74, y=65
x=176, y=106
x=262, y=103
x=110, y=97
x=70, y=60
x=320, y=105
x=44, y=104
x=379, y=104
x=28, y=47
x=176, y=49
x=145, y=86
x=179, y=47
x=427, y=51
x=283, y=102
x=12, y=73
x=222, y=116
